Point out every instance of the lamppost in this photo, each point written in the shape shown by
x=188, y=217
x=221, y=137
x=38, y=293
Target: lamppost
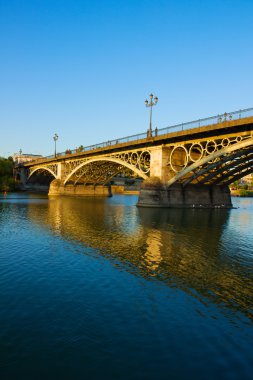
x=151, y=104
x=55, y=139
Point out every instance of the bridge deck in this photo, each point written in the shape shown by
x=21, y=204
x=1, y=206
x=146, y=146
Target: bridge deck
x=222, y=128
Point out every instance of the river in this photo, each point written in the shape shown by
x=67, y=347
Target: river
x=100, y=289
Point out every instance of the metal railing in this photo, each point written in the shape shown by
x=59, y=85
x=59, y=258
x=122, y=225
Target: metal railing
x=235, y=115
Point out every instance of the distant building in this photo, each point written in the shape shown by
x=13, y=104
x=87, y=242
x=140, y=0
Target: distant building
x=248, y=179
x=20, y=158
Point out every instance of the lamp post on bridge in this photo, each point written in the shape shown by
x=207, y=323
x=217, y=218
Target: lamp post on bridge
x=55, y=139
x=151, y=104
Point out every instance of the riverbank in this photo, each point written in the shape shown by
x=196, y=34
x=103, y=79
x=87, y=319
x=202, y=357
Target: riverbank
x=242, y=193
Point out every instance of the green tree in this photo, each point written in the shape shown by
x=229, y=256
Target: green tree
x=235, y=185
x=6, y=174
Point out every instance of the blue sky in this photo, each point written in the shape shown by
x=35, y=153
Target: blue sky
x=82, y=69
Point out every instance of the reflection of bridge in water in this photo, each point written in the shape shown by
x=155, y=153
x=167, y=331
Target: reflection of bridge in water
x=188, y=165
x=181, y=248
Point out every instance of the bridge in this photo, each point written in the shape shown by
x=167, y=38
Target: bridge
x=185, y=165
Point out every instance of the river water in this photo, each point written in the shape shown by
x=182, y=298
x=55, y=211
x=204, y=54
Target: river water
x=101, y=289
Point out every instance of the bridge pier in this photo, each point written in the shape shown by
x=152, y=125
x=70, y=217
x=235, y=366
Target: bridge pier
x=58, y=188
x=155, y=194
x=159, y=163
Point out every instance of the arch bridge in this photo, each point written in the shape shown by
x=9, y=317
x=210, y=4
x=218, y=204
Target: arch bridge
x=186, y=165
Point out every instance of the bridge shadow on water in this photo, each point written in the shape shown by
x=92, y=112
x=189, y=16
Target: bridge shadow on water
x=181, y=248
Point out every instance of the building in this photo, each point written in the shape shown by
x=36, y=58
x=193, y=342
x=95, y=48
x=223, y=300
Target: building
x=20, y=158
x=248, y=179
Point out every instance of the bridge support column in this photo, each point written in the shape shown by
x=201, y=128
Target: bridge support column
x=156, y=194
x=23, y=177
x=57, y=187
x=59, y=170
x=158, y=163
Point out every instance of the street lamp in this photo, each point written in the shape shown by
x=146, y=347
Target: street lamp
x=151, y=104
x=55, y=139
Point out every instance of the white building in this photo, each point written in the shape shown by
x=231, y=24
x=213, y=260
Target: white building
x=20, y=158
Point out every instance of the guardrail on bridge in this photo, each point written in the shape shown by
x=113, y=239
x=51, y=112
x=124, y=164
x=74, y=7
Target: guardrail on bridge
x=164, y=131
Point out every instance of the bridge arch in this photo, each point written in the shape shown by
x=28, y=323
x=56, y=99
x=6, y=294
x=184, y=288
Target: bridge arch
x=44, y=168
x=114, y=160
x=216, y=159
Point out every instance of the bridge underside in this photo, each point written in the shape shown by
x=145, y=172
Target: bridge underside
x=39, y=182
x=221, y=167
x=99, y=173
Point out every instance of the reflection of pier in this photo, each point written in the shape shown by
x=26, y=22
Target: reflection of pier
x=181, y=247
x=153, y=255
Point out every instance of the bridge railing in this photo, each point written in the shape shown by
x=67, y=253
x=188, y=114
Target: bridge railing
x=220, y=118
x=236, y=115
x=104, y=144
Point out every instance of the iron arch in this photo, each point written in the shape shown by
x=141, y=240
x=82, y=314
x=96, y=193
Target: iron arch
x=41, y=168
x=209, y=161
x=116, y=161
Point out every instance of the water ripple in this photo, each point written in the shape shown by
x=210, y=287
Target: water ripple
x=100, y=289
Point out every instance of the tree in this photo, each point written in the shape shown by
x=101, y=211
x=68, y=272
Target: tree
x=6, y=174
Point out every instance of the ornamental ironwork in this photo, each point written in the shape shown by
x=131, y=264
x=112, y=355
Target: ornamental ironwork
x=101, y=168
x=51, y=168
x=216, y=161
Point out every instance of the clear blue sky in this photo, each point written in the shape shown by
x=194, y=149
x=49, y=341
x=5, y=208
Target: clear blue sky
x=82, y=69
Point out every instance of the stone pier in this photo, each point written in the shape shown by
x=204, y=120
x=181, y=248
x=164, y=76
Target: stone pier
x=155, y=194
x=58, y=188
